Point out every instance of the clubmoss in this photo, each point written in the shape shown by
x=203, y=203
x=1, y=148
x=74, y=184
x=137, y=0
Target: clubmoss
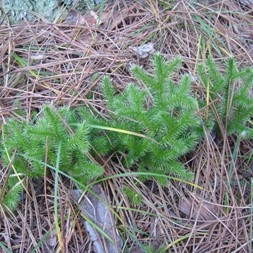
x=152, y=123
x=152, y=137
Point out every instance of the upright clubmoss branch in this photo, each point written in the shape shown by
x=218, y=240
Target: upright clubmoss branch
x=231, y=97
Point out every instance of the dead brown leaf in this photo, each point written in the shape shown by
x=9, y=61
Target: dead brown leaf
x=198, y=208
x=94, y=207
x=90, y=19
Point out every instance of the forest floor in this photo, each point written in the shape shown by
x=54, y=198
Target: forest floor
x=63, y=63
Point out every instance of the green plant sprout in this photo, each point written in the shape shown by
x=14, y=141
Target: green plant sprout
x=230, y=97
x=38, y=141
x=163, y=111
x=152, y=123
x=133, y=196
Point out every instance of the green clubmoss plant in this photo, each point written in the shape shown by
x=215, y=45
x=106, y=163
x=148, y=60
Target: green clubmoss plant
x=10, y=193
x=36, y=143
x=160, y=109
x=134, y=197
x=151, y=249
x=152, y=123
x=229, y=104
